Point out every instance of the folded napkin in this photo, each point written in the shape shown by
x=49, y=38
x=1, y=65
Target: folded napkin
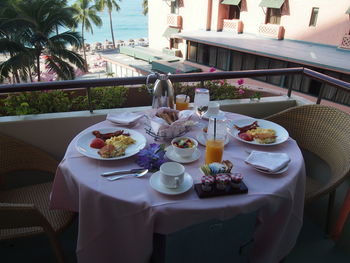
x=271, y=162
x=125, y=118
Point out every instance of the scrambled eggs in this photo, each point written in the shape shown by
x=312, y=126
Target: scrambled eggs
x=263, y=136
x=120, y=142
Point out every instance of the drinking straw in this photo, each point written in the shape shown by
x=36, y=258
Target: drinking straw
x=186, y=95
x=214, y=129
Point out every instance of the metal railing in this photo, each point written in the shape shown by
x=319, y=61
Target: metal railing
x=188, y=77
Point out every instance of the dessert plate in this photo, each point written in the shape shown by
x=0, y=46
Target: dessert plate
x=84, y=140
x=157, y=185
x=170, y=153
x=281, y=133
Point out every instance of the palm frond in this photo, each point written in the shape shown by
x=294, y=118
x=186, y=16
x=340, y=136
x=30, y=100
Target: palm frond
x=63, y=69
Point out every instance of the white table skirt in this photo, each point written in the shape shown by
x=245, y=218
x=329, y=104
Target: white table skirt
x=117, y=219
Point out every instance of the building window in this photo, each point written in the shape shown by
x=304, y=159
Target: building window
x=314, y=15
x=234, y=11
x=222, y=60
x=192, y=52
x=203, y=54
x=174, y=7
x=273, y=16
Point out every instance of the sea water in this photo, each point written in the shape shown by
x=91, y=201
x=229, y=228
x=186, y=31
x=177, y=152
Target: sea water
x=128, y=23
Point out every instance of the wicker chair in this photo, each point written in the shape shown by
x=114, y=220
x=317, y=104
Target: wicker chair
x=325, y=132
x=24, y=211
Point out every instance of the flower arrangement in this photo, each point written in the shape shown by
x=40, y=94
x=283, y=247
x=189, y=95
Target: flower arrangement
x=152, y=157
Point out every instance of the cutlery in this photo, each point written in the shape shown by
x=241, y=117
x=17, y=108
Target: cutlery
x=139, y=174
x=119, y=172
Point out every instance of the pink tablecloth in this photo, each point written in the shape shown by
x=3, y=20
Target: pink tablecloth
x=117, y=219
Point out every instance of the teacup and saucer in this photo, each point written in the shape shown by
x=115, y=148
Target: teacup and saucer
x=171, y=179
x=213, y=111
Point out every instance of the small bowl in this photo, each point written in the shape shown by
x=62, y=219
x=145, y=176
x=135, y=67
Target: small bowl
x=184, y=152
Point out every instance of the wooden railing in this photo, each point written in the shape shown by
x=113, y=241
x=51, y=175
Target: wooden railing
x=189, y=77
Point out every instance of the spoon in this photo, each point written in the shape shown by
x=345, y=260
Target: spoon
x=139, y=174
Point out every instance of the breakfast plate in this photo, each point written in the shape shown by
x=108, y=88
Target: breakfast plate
x=281, y=133
x=84, y=140
x=157, y=185
x=170, y=153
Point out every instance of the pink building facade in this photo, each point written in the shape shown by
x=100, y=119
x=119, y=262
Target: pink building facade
x=318, y=21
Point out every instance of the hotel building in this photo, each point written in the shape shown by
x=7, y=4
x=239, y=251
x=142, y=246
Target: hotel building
x=258, y=34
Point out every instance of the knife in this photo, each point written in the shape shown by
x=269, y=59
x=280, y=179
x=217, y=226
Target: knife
x=119, y=172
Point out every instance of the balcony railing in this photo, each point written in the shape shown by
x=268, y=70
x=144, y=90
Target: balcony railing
x=345, y=42
x=189, y=77
x=174, y=20
x=271, y=30
x=233, y=25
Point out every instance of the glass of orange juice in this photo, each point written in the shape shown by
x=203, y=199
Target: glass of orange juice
x=182, y=101
x=216, y=135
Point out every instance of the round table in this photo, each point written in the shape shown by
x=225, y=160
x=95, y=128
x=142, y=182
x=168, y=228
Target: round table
x=117, y=219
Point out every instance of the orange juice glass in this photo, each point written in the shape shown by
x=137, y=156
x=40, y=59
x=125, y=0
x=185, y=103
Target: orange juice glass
x=182, y=102
x=213, y=151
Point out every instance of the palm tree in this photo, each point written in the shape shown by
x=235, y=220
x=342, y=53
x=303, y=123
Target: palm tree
x=145, y=7
x=110, y=4
x=31, y=34
x=86, y=14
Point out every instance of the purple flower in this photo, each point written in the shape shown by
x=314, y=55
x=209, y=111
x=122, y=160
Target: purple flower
x=241, y=91
x=240, y=81
x=212, y=69
x=152, y=157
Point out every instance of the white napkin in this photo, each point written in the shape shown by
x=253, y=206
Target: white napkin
x=125, y=118
x=267, y=161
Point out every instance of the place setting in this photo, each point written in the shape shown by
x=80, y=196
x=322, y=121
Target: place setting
x=171, y=179
x=127, y=119
x=268, y=162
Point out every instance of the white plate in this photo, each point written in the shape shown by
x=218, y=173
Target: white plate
x=170, y=153
x=157, y=185
x=281, y=133
x=277, y=172
x=200, y=138
x=206, y=116
x=84, y=141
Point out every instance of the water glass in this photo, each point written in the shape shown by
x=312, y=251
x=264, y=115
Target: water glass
x=201, y=101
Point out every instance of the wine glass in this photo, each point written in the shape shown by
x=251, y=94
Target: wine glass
x=201, y=101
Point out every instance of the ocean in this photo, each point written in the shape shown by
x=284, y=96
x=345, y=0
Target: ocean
x=128, y=23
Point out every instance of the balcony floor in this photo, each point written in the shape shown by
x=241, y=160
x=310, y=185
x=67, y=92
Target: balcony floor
x=312, y=247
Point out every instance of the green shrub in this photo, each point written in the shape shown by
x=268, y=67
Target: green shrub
x=36, y=102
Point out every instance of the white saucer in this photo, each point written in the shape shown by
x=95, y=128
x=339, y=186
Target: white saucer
x=170, y=153
x=157, y=185
x=282, y=170
x=206, y=116
x=200, y=138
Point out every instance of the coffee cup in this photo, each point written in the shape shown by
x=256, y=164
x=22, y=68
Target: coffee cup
x=172, y=174
x=213, y=108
